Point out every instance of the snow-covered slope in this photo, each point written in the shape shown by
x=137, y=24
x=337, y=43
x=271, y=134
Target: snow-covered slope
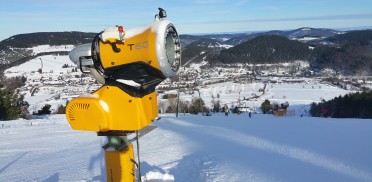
x=197, y=148
x=58, y=81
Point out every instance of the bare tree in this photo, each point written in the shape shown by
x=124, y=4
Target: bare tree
x=162, y=107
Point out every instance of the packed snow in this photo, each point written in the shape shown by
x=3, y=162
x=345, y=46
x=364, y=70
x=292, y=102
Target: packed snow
x=196, y=148
x=48, y=64
x=190, y=147
x=48, y=48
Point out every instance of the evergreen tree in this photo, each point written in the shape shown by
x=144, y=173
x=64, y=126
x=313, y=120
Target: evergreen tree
x=197, y=105
x=12, y=105
x=44, y=110
x=266, y=107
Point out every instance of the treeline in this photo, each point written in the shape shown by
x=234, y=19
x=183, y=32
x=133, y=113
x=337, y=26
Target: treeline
x=194, y=107
x=197, y=105
x=48, y=38
x=357, y=105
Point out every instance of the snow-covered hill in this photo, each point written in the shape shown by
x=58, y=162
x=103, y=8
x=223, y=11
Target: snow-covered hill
x=197, y=148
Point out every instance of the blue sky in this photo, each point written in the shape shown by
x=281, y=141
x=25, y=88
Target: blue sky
x=189, y=16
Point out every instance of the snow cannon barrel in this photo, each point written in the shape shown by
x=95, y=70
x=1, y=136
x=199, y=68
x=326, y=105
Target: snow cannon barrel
x=156, y=46
x=146, y=55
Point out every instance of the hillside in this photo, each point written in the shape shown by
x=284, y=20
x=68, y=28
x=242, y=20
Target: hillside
x=16, y=49
x=265, y=49
x=349, y=53
x=344, y=52
x=196, y=51
x=361, y=37
x=311, y=32
x=48, y=38
x=303, y=34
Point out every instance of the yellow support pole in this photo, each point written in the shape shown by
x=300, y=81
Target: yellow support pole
x=120, y=165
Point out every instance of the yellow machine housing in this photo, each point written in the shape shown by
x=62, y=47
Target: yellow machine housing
x=110, y=108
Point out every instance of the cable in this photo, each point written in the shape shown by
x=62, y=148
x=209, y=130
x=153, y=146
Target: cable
x=138, y=156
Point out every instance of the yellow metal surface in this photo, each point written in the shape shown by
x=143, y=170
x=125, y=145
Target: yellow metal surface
x=120, y=166
x=110, y=108
x=140, y=47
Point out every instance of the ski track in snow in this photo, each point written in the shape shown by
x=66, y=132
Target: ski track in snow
x=285, y=150
x=292, y=152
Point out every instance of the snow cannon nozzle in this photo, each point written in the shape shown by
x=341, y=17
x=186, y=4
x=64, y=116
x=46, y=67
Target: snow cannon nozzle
x=161, y=15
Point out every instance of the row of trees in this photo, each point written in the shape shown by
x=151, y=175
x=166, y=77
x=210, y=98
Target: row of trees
x=357, y=105
x=196, y=106
x=46, y=110
x=48, y=38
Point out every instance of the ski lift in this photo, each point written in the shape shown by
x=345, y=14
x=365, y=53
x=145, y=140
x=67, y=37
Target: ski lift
x=41, y=70
x=41, y=64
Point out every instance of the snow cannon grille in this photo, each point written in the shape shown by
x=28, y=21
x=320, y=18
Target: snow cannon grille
x=78, y=106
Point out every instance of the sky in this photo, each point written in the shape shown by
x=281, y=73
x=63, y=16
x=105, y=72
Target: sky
x=189, y=16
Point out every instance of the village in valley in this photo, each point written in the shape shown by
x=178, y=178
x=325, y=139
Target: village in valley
x=54, y=80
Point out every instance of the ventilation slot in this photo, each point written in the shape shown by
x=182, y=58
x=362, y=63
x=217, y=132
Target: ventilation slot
x=74, y=107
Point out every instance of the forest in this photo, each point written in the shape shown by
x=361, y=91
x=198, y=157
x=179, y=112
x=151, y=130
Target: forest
x=356, y=105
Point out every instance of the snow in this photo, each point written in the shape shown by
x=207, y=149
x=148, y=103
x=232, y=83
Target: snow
x=196, y=148
x=306, y=39
x=298, y=95
x=48, y=63
x=49, y=48
x=191, y=147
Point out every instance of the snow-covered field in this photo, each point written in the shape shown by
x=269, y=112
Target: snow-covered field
x=197, y=148
x=298, y=95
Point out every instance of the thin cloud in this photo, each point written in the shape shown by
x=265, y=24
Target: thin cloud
x=310, y=18
x=208, y=1
x=270, y=8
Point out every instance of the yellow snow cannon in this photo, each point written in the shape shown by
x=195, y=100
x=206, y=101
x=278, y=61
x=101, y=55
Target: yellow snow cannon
x=129, y=64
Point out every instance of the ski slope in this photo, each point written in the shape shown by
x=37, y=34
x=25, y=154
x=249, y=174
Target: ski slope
x=196, y=148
